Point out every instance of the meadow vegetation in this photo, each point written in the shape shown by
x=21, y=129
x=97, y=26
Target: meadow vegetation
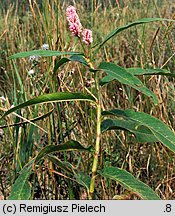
x=26, y=26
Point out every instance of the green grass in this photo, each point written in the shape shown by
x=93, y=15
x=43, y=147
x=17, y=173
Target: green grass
x=146, y=46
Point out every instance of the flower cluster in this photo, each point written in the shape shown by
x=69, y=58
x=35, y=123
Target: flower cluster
x=87, y=36
x=74, y=21
x=75, y=26
x=34, y=58
x=2, y=99
x=31, y=72
x=45, y=47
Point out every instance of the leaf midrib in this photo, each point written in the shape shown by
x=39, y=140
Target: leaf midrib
x=129, y=187
x=155, y=132
x=130, y=130
x=142, y=88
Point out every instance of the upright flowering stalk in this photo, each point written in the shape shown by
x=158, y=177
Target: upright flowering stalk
x=76, y=28
x=87, y=36
x=74, y=22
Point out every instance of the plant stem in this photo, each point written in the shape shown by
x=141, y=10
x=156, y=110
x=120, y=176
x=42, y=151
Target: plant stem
x=97, y=144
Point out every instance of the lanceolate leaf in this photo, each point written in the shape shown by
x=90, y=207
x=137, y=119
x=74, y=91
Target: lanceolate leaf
x=159, y=129
x=21, y=189
x=31, y=120
x=116, y=72
x=141, y=132
x=120, y=29
x=41, y=53
x=54, y=97
x=80, y=177
x=83, y=179
x=75, y=58
x=140, y=71
x=70, y=145
x=67, y=167
x=129, y=182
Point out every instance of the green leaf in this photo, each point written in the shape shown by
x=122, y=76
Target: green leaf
x=30, y=120
x=67, y=167
x=70, y=145
x=128, y=181
x=74, y=58
x=120, y=29
x=142, y=133
x=140, y=71
x=44, y=53
x=159, y=129
x=21, y=189
x=116, y=72
x=83, y=179
x=54, y=97
x=80, y=177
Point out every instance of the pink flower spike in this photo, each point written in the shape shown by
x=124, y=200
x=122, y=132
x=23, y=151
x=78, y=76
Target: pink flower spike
x=70, y=11
x=74, y=22
x=75, y=29
x=87, y=36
